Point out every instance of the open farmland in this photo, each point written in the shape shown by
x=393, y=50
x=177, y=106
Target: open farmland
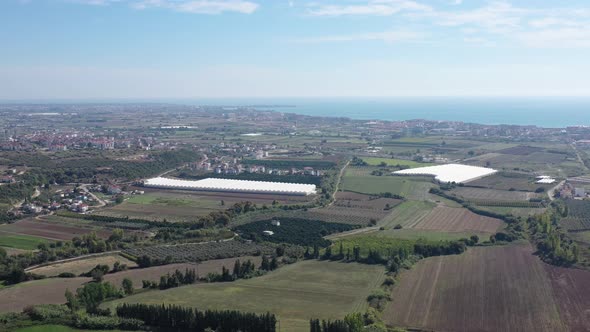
x=360, y=180
x=448, y=219
x=45, y=291
x=578, y=217
x=485, y=289
x=393, y=162
x=520, y=150
x=571, y=291
x=295, y=293
x=20, y=242
x=81, y=266
x=481, y=194
x=508, y=181
x=49, y=230
x=197, y=252
x=158, y=204
x=155, y=272
x=51, y=290
x=407, y=214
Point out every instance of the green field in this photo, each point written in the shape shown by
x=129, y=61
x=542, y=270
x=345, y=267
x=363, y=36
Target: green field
x=415, y=234
x=54, y=328
x=20, y=241
x=295, y=293
x=407, y=213
x=414, y=188
x=394, y=162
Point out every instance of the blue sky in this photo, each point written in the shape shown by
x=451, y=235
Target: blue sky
x=260, y=48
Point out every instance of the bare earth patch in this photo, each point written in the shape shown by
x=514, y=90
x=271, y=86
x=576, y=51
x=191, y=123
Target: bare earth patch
x=449, y=219
x=485, y=289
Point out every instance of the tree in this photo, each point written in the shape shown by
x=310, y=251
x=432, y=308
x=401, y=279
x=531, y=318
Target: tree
x=127, y=286
x=274, y=264
x=72, y=301
x=355, y=322
x=474, y=239
x=265, y=265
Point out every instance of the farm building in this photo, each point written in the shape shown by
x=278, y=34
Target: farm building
x=235, y=186
x=450, y=173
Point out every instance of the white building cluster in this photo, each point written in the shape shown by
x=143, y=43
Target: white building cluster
x=450, y=173
x=236, y=186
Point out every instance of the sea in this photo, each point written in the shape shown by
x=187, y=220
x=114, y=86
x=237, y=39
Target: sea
x=547, y=112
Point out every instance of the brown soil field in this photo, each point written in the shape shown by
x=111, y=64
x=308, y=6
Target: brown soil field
x=485, y=289
x=48, y=230
x=46, y=291
x=81, y=266
x=361, y=201
x=571, y=290
x=51, y=290
x=449, y=219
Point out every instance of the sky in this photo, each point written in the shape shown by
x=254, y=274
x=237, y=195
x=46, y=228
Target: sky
x=104, y=49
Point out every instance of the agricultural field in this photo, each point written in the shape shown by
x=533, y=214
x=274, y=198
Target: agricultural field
x=394, y=162
x=578, y=217
x=360, y=180
x=510, y=180
x=14, y=251
x=481, y=194
x=51, y=290
x=81, y=266
x=571, y=291
x=515, y=211
x=45, y=291
x=295, y=293
x=198, y=252
x=521, y=150
x=407, y=214
x=417, y=234
x=502, y=288
x=155, y=272
x=304, y=232
x=51, y=231
x=446, y=219
x=20, y=242
x=178, y=206
x=555, y=164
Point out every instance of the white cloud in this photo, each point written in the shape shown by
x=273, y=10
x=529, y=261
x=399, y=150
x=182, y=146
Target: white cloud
x=370, y=8
x=200, y=6
x=557, y=38
x=495, y=16
x=186, y=6
x=386, y=36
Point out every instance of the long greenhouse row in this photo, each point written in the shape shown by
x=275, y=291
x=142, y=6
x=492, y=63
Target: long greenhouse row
x=237, y=186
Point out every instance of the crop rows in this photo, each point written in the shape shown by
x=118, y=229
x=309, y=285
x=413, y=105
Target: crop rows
x=197, y=252
x=578, y=215
x=516, y=204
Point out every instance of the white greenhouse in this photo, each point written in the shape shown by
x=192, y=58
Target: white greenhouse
x=450, y=173
x=234, y=186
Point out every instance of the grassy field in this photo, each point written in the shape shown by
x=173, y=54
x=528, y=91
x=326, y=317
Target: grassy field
x=369, y=184
x=81, y=266
x=55, y=328
x=407, y=213
x=485, y=289
x=415, y=234
x=394, y=162
x=25, y=242
x=295, y=293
